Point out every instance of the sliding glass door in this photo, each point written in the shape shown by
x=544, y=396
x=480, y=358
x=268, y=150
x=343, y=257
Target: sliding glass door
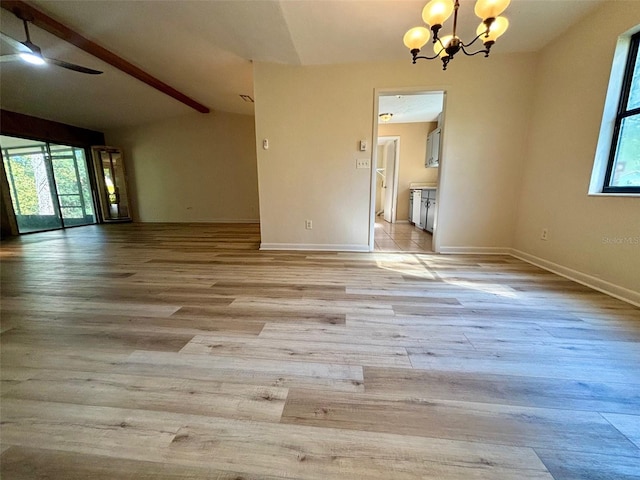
x=49, y=184
x=72, y=185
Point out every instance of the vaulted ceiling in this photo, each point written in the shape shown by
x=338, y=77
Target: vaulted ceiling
x=205, y=49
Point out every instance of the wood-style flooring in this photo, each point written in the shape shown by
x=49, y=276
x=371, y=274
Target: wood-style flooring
x=183, y=352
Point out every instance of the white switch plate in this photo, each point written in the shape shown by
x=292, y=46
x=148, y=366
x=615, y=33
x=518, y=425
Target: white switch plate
x=363, y=145
x=363, y=163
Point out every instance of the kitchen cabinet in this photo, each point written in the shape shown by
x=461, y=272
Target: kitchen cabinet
x=431, y=214
x=432, y=158
x=424, y=202
x=428, y=209
x=415, y=197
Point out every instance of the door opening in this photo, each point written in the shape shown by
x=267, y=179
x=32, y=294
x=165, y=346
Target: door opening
x=414, y=119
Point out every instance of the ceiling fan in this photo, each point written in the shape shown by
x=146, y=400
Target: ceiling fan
x=31, y=53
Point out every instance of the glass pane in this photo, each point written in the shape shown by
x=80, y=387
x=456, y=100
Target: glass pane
x=626, y=166
x=30, y=184
x=118, y=170
x=116, y=203
x=72, y=183
x=634, y=93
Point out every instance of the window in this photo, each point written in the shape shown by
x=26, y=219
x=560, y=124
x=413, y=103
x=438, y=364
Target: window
x=623, y=168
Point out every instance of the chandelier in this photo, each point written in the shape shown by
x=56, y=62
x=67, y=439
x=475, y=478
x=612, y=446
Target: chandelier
x=436, y=12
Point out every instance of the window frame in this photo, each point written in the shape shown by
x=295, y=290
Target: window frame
x=621, y=114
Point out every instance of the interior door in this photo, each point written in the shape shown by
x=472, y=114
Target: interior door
x=390, y=156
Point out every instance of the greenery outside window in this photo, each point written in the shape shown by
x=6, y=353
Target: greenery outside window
x=623, y=168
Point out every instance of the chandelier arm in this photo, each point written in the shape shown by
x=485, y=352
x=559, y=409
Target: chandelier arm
x=424, y=57
x=485, y=51
x=473, y=41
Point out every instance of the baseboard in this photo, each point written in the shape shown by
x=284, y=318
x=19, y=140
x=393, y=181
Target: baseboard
x=314, y=247
x=590, y=281
x=204, y=222
x=475, y=250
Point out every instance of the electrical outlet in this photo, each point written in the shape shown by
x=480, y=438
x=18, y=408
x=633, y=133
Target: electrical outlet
x=308, y=224
x=545, y=234
x=363, y=163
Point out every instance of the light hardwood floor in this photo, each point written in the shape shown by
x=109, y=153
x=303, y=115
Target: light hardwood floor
x=182, y=352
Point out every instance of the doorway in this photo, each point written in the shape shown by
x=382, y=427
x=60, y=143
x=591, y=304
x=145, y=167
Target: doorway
x=387, y=178
x=48, y=184
x=413, y=118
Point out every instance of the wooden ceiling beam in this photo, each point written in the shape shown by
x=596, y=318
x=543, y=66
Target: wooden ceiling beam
x=25, y=11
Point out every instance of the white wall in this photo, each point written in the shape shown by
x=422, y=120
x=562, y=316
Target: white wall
x=315, y=116
x=569, y=98
x=413, y=149
x=195, y=168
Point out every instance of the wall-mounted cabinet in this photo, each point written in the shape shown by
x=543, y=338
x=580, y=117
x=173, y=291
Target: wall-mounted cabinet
x=432, y=158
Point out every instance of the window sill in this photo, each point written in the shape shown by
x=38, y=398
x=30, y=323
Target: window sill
x=602, y=194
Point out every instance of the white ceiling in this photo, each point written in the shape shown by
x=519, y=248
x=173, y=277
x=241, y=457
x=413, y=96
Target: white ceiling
x=423, y=107
x=205, y=49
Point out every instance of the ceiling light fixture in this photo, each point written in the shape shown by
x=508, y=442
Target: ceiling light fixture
x=385, y=117
x=436, y=12
x=32, y=58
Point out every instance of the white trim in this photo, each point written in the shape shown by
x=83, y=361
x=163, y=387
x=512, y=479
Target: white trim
x=373, y=179
x=475, y=250
x=236, y=220
x=602, y=194
x=204, y=222
x=314, y=247
x=590, y=281
x=442, y=169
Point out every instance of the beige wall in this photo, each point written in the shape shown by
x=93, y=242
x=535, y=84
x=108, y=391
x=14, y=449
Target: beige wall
x=195, y=168
x=413, y=146
x=315, y=116
x=569, y=98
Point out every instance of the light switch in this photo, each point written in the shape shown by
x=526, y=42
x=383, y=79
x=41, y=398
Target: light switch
x=363, y=145
x=363, y=163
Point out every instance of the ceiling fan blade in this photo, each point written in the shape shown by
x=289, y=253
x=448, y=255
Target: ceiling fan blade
x=17, y=45
x=73, y=66
x=10, y=58
x=31, y=48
